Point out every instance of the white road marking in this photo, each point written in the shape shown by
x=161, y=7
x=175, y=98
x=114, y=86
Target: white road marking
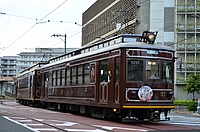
x=81, y=130
x=38, y=119
x=66, y=124
x=58, y=121
x=34, y=124
x=20, y=124
x=111, y=128
x=24, y=120
x=17, y=117
x=45, y=129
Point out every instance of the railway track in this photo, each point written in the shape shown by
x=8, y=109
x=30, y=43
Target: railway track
x=57, y=128
x=42, y=120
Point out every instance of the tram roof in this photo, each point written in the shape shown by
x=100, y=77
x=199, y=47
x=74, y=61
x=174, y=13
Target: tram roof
x=32, y=68
x=132, y=45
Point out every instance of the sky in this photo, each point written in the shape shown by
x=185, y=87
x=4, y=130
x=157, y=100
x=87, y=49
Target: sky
x=29, y=24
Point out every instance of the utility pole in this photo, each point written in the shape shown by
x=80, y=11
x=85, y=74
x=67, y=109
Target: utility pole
x=59, y=35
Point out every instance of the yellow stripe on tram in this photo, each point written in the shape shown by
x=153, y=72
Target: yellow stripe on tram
x=147, y=107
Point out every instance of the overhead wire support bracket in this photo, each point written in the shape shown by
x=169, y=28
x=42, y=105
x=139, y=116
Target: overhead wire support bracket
x=59, y=35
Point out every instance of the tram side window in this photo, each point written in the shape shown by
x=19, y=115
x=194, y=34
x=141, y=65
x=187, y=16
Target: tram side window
x=38, y=79
x=167, y=72
x=86, y=78
x=104, y=71
x=80, y=77
x=74, y=75
x=58, y=78
x=62, y=77
x=23, y=83
x=134, y=70
x=152, y=69
x=27, y=82
x=53, y=78
x=31, y=83
x=68, y=76
x=92, y=73
x=117, y=70
x=46, y=77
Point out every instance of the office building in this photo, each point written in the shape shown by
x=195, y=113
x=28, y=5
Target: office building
x=187, y=25
x=177, y=23
x=27, y=59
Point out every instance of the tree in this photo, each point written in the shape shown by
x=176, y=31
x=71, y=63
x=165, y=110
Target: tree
x=193, y=84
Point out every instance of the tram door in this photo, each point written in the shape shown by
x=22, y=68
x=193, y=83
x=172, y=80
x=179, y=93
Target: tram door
x=106, y=81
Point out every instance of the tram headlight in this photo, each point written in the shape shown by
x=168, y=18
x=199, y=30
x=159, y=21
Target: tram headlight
x=151, y=37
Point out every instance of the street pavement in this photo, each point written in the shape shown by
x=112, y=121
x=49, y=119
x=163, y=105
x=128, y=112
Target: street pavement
x=9, y=126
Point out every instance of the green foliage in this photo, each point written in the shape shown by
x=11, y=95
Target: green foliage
x=192, y=106
x=192, y=83
x=183, y=102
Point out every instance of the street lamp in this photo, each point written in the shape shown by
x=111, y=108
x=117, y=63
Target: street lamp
x=59, y=35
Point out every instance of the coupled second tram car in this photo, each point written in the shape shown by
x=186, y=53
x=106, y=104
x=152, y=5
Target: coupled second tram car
x=127, y=76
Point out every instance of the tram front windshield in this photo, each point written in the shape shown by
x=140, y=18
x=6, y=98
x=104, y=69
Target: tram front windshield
x=147, y=70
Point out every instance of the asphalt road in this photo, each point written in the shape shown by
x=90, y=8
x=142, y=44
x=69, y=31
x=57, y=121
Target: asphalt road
x=9, y=126
x=19, y=118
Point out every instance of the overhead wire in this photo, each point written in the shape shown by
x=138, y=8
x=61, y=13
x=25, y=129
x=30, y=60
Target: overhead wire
x=49, y=39
x=32, y=27
x=56, y=21
x=40, y=21
x=25, y=17
x=3, y=13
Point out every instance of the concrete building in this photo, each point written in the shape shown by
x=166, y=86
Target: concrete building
x=187, y=25
x=8, y=72
x=8, y=66
x=108, y=18
x=111, y=17
x=27, y=59
x=177, y=23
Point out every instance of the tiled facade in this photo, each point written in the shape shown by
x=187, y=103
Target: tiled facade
x=8, y=66
x=106, y=18
x=177, y=23
x=188, y=42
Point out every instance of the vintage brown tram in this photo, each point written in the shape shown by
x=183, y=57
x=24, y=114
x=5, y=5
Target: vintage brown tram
x=29, y=85
x=127, y=76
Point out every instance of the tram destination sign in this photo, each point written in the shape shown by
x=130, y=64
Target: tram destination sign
x=152, y=52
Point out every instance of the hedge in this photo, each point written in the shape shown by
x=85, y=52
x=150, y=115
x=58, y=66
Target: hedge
x=191, y=105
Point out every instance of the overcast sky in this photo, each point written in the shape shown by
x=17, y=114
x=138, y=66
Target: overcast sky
x=19, y=31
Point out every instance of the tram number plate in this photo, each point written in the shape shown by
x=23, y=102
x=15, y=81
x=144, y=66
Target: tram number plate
x=152, y=52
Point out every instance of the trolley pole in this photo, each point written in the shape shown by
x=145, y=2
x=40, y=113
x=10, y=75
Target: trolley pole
x=59, y=35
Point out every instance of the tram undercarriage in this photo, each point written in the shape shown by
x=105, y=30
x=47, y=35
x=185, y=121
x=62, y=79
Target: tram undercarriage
x=154, y=115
